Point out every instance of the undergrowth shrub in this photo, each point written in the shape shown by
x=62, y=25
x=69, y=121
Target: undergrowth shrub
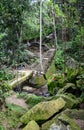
x=59, y=59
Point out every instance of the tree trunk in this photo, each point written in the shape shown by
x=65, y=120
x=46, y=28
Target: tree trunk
x=41, y=35
x=55, y=33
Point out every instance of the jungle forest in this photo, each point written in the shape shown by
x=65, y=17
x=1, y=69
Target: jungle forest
x=41, y=64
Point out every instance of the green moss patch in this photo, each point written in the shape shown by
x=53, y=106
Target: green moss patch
x=72, y=125
x=32, y=99
x=38, y=81
x=32, y=125
x=2, y=128
x=51, y=70
x=9, y=117
x=75, y=114
x=43, y=111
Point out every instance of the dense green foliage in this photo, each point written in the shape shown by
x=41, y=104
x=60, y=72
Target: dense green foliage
x=20, y=22
x=20, y=26
x=59, y=59
x=60, y=80
x=5, y=76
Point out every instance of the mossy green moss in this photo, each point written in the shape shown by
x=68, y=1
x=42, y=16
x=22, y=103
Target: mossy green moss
x=51, y=70
x=59, y=80
x=71, y=100
x=32, y=125
x=43, y=111
x=63, y=120
x=32, y=99
x=47, y=125
x=38, y=81
x=74, y=113
x=72, y=125
x=8, y=120
x=16, y=110
x=9, y=117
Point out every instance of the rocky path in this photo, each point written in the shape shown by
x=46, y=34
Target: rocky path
x=16, y=101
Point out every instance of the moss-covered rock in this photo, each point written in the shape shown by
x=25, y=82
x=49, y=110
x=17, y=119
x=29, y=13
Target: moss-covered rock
x=71, y=100
x=70, y=77
x=66, y=88
x=54, y=125
x=43, y=111
x=54, y=121
x=32, y=99
x=70, y=122
x=74, y=113
x=51, y=70
x=37, y=81
x=32, y=125
x=60, y=122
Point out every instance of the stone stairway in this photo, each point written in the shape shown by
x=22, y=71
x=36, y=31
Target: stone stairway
x=46, y=60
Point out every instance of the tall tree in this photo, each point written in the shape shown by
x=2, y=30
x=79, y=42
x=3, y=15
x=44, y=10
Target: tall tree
x=11, y=15
x=54, y=24
x=41, y=35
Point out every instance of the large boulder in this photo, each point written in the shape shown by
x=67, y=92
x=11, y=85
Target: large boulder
x=70, y=99
x=61, y=122
x=71, y=125
x=43, y=111
x=32, y=99
x=32, y=125
x=37, y=81
x=53, y=124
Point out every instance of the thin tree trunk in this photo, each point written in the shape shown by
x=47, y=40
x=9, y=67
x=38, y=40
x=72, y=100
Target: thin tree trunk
x=41, y=35
x=55, y=33
x=65, y=38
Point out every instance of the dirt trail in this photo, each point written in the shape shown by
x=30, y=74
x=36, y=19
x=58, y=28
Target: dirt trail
x=17, y=101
